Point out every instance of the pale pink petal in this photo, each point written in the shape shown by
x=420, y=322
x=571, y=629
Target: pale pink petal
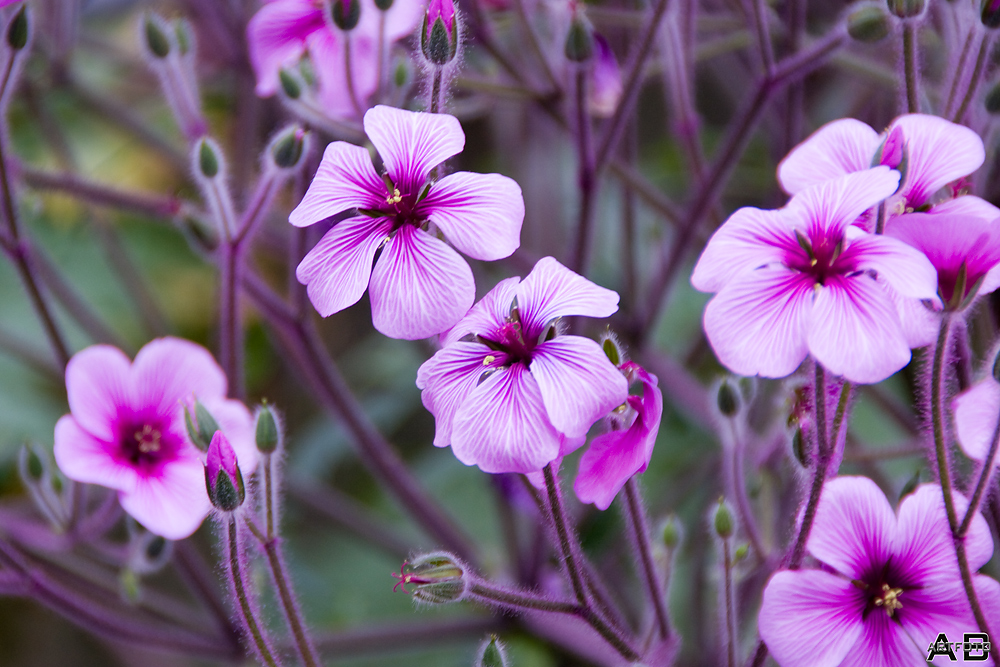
x=749, y=239
x=939, y=152
x=401, y=20
x=169, y=370
x=904, y=268
x=276, y=37
x=919, y=322
x=884, y=643
x=855, y=528
x=487, y=315
x=832, y=205
x=968, y=206
x=480, y=214
x=854, y=330
x=346, y=179
x=931, y=610
x=419, y=287
x=551, y=290
x=328, y=55
x=991, y=281
x=84, y=458
x=814, y=609
x=236, y=422
x=411, y=143
x=172, y=504
x=502, y=426
x=336, y=271
x=838, y=148
x=757, y=323
x=448, y=378
x=97, y=383
x=578, y=383
x=976, y=413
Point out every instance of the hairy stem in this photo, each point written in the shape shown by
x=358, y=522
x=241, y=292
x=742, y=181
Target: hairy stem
x=727, y=569
x=977, y=71
x=256, y=635
x=910, y=66
x=566, y=549
x=585, y=175
x=640, y=527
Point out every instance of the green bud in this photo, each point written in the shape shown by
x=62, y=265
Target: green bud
x=741, y=553
x=156, y=40
x=200, y=429
x=268, y=436
x=671, y=533
x=286, y=151
x=401, y=75
x=612, y=350
x=34, y=467
x=906, y=9
x=208, y=161
x=799, y=448
x=579, y=47
x=436, y=43
x=383, y=5
x=289, y=84
x=728, y=399
x=183, y=33
x=868, y=24
x=130, y=586
x=723, y=520
x=345, y=13
x=227, y=494
x=437, y=578
x=492, y=654
x=992, y=100
x=17, y=32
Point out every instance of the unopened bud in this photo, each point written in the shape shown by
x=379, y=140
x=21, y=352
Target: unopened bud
x=147, y=552
x=289, y=84
x=492, y=654
x=893, y=153
x=268, y=433
x=182, y=30
x=906, y=9
x=612, y=349
x=402, y=74
x=202, y=428
x=996, y=368
x=437, y=578
x=17, y=32
x=670, y=533
x=728, y=399
x=992, y=100
x=990, y=13
x=156, y=37
x=799, y=448
x=31, y=467
x=222, y=475
x=439, y=32
x=383, y=5
x=741, y=553
x=723, y=520
x=287, y=147
x=868, y=23
x=208, y=159
x=579, y=47
x=345, y=13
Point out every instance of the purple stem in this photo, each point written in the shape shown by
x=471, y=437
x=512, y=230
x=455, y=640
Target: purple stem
x=585, y=174
x=253, y=630
x=977, y=72
x=640, y=529
x=737, y=488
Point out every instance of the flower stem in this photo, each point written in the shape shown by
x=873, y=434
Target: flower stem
x=562, y=530
x=250, y=623
x=727, y=566
x=738, y=489
x=977, y=71
x=519, y=599
x=585, y=174
x=824, y=452
x=959, y=70
x=637, y=517
x=436, y=81
x=910, y=66
x=266, y=467
x=349, y=76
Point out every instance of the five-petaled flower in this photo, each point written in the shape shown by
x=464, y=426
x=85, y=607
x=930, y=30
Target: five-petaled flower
x=508, y=393
x=419, y=286
x=126, y=429
x=890, y=584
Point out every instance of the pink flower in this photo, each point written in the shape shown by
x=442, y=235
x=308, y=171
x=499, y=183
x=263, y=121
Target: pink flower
x=617, y=455
x=605, y=79
x=126, y=429
x=508, y=393
x=976, y=413
x=888, y=586
x=285, y=30
x=419, y=286
x=799, y=281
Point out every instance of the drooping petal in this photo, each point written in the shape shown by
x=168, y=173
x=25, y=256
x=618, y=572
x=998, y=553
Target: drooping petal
x=854, y=330
x=757, y=323
x=906, y=269
x=939, y=152
x=480, y=214
x=419, y=286
x=172, y=504
x=169, y=370
x=854, y=531
x=885, y=643
x=487, y=315
x=97, y=384
x=976, y=413
x=551, y=290
x=810, y=608
x=502, y=425
x=411, y=143
x=838, y=148
x=84, y=458
x=748, y=239
x=336, y=271
x=831, y=206
x=276, y=37
x=346, y=179
x=578, y=383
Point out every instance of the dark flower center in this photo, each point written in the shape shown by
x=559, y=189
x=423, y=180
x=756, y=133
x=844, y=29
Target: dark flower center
x=885, y=589
x=819, y=258
x=147, y=443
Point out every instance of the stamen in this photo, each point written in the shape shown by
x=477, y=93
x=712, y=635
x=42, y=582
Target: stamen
x=890, y=599
x=395, y=197
x=489, y=359
x=148, y=439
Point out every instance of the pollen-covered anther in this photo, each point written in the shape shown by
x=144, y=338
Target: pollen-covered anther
x=394, y=198
x=889, y=599
x=148, y=439
x=489, y=359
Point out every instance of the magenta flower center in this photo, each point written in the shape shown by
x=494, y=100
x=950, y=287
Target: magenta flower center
x=146, y=443
x=401, y=207
x=884, y=589
x=819, y=258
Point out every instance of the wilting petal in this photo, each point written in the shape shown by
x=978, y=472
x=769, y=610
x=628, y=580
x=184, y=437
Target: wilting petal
x=336, y=271
x=854, y=330
x=172, y=504
x=346, y=179
x=169, y=370
x=906, y=269
x=757, y=323
x=276, y=36
x=749, y=239
x=885, y=643
x=419, y=286
x=480, y=214
x=97, y=382
x=84, y=458
x=939, y=152
x=832, y=205
x=502, y=426
x=551, y=290
x=854, y=529
x=810, y=608
x=976, y=413
x=487, y=315
x=578, y=383
x=838, y=148
x=411, y=144
x=447, y=379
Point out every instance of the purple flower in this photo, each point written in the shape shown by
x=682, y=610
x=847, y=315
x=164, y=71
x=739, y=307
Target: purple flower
x=419, y=286
x=799, y=280
x=888, y=586
x=126, y=429
x=976, y=413
x=508, y=393
x=617, y=455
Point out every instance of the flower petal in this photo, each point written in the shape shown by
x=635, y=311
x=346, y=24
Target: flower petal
x=748, y=239
x=919, y=323
x=855, y=528
x=976, y=413
x=967, y=205
x=931, y=610
x=757, y=323
x=412, y=143
x=814, y=609
x=502, y=426
x=276, y=37
x=326, y=48
x=480, y=214
x=84, y=458
x=832, y=205
x=336, y=271
x=838, y=148
x=551, y=290
x=884, y=643
x=97, y=384
x=346, y=179
x=939, y=152
x=487, y=315
x=419, y=286
x=172, y=504
x=905, y=268
x=855, y=332
x=169, y=370
x=401, y=20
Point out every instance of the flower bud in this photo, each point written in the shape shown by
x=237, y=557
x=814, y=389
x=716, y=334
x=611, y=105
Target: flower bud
x=996, y=368
x=990, y=13
x=579, y=47
x=147, y=553
x=17, y=31
x=741, y=553
x=893, y=152
x=612, y=349
x=670, y=533
x=182, y=31
x=287, y=148
x=906, y=9
x=37, y=474
x=437, y=578
x=799, y=448
x=268, y=433
x=439, y=32
x=290, y=84
x=30, y=465
x=723, y=521
x=605, y=80
x=383, y=5
x=157, y=41
x=492, y=654
x=728, y=399
x=345, y=13
x=202, y=428
x=992, y=100
x=208, y=159
x=222, y=475
x=868, y=23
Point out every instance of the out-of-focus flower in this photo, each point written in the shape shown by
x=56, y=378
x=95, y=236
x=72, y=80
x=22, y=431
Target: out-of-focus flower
x=283, y=31
x=605, y=80
x=126, y=429
x=508, y=393
x=799, y=280
x=889, y=584
x=977, y=411
x=419, y=286
x=617, y=455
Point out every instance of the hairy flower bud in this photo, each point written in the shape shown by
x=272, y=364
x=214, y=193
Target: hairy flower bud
x=723, y=521
x=439, y=33
x=906, y=9
x=670, y=533
x=222, y=475
x=17, y=31
x=287, y=147
x=437, y=578
x=208, y=159
x=868, y=23
x=345, y=13
x=492, y=654
x=268, y=434
x=990, y=13
x=202, y=428
x=741, y=553
x=728, y=399
x=383, y=5
x=579, y=47
x=290, y=84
